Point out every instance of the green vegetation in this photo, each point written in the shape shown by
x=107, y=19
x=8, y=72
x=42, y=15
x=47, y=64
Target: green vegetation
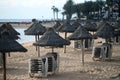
x=92, y=10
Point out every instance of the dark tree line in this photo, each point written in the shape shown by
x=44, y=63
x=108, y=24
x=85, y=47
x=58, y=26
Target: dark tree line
x=89, y=8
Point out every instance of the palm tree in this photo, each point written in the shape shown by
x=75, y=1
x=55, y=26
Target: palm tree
x=63, y=14
x=77, y=9
x=68, y=7
x=57, y=10
x=53, y=8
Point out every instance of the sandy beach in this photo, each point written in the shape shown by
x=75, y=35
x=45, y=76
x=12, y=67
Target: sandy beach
x=71, y=67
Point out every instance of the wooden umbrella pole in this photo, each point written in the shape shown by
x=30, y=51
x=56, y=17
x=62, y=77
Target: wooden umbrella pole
x=82, y=47
x=52, y=49
x=38, y=37
x=36, y=41
x=38, y=51
x=9, y=54
x=65, y=45
x=4, y=66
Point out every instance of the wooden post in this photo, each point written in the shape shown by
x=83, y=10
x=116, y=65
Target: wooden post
x=65, y=45
x=38, y=51
x=36, y=41
x=4, y=66
x=82, y=48
x=52, y=49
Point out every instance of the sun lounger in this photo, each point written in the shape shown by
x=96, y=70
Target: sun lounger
x=98, y=52
x=108, y=50
x=56, y=62
x=50, y=61
x=37, y=66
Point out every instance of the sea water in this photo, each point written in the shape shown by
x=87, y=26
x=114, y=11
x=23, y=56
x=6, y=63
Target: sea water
x=24, y=38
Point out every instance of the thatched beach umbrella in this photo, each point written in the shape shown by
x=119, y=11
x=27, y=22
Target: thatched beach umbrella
x=67, y=28
x=76, y=24
x=10, y=27
x=90, y=26
x=52, y=39
x=12, y=32
x=7, y=27
x=57, y=24
x=36, y=29
x=81, y=34
x=100, y=24
x=106, y=31
x=8, y=45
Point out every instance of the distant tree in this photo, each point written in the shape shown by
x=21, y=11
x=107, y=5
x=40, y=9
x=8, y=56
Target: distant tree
x=53, y=8
x=68, y=7
x=63, y=14
x=57, y=10
x=77, y=8
x=87, y=8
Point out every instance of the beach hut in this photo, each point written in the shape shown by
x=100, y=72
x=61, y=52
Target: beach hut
x=36, y=29
x=81, y=34
x=67, y=28
x=8, y=45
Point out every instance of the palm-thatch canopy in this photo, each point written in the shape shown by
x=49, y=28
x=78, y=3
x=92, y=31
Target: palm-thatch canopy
x=13, y=34
x=100, y=24
x=10, y=27
x=80, y=33
x=51, y=38
x=66, y=27
x=35, y=29
x=57, y=24
x=76, y=24
x=90, y=26
x=8, y=45
x=116, y=25
x=105, y=31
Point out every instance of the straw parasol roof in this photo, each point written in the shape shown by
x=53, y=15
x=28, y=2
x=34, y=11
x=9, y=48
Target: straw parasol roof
x=90, y=26
x=51, y=38
x=100, y=24
x=7, y=28
x=57, y=24
x=106, y=31
x=80, y=33
x=8, y=45
x=76, y=24
x=66, y=27
x=10, y=27
x=35, y=29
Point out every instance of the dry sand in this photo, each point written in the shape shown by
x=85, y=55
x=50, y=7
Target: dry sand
x=70, y=64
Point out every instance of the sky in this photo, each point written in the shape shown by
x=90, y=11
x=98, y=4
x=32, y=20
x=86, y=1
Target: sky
x=29, y=9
